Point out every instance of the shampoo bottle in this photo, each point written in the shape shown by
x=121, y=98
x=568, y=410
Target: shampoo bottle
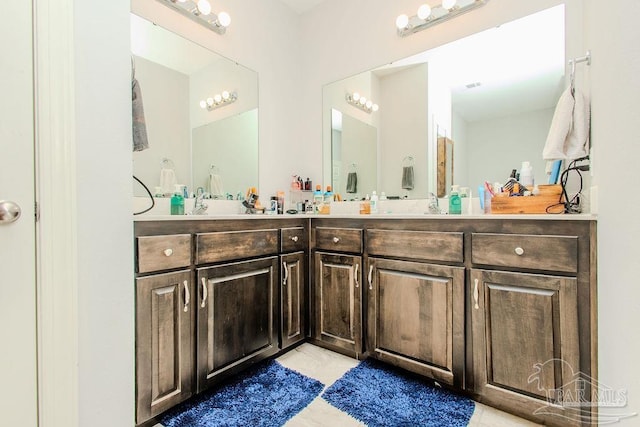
x=455, y=205
x=374, y=203
x=177, y=201
x=318, y=198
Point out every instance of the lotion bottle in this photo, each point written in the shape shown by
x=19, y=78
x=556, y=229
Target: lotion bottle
x=455, y=204
x=374, y=203
x=177, y=201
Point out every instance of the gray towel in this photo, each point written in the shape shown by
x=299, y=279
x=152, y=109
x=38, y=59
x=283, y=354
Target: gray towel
x=352, y=182
x=140, y=140
x=407, y=177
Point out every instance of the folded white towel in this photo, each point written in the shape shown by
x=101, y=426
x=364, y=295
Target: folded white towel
x=568, y=136
x=215, y=185
x=167, y=180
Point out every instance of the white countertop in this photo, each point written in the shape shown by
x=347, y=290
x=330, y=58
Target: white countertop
x=582, y=217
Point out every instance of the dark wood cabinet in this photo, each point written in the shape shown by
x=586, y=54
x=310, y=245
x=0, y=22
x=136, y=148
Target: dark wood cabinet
x=164, y=346
x=415, y=317
x=526, y=352
x=337, y=302
x=237, y=318
x=292, y=298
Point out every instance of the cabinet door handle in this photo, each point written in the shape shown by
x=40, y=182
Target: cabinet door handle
x=519, y=251
x=475, y=294
x=187, y=296
x=355, y=273
x=168, y=252
x=336, y=239
x=205, y=293
x=370, y=277
x=286, y=273
x=294, y=238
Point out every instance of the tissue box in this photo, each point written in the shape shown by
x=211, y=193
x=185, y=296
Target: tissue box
x=549, y=197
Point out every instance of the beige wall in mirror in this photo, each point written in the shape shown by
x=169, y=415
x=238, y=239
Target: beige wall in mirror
x=212, y=148
x=491, y=95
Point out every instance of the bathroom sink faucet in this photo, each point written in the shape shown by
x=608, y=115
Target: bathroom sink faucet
x=199, y=206
x=433, y=204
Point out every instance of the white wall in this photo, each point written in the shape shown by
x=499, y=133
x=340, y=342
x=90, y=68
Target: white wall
x=612, y=36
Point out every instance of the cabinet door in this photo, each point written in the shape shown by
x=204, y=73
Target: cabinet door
x=236, y=316
x=525, y=344
x=415, y=317
x=337, y=298
x=292, y=298
x=164, y=331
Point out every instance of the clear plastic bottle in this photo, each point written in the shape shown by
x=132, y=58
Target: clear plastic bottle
x=374, y=203
x=177, y=201
x=526, y=175
x=318, y=199
x=455, y=204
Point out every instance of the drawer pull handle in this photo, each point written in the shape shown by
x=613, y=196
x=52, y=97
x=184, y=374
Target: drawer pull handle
x=286, y=273
x=355, y=273
x=168, y=252
x=370, y=278
x=295, y=238
x=187, y=296
x=336, y=239
x=205, y=293
x=475, y=294
x=519, y=251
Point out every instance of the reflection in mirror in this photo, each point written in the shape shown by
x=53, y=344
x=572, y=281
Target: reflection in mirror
x=175, y=75
x=353, y=156
x=490, y=95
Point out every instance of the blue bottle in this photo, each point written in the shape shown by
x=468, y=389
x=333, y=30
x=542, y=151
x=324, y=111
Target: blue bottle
x=455, y=204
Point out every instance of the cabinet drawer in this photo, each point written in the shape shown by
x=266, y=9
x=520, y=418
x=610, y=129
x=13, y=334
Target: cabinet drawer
x=423, y=245
x=229, y=245
x=339, y=239
x=163, y=252
x=293, y=239
x=552, y=253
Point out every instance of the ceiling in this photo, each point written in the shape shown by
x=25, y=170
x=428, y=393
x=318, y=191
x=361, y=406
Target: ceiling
x=301, y=6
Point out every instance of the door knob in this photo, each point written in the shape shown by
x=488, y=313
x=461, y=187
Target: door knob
x=9, y=212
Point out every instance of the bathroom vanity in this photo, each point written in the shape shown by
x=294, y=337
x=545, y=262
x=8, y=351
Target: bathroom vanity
x=502, y=308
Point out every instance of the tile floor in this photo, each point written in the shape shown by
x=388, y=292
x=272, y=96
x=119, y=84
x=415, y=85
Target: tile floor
x=327, y=367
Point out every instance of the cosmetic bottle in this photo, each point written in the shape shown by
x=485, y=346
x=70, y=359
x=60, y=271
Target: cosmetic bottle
x=177, y=201
x=307, y=184
x=365, y=206
x=455, y=204
x=374, y=202
x=318, y=198
x=526, y=175
x=326, y=203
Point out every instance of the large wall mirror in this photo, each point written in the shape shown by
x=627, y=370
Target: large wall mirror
x=464, y=113
x=212, y=148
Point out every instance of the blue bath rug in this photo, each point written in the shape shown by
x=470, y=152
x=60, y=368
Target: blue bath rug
x=265, y=396
x=380, y=395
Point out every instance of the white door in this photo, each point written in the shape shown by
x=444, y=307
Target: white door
x=18, y=373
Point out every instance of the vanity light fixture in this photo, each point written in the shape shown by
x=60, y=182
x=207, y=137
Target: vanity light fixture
x=428, y=16
x=361, y=102
x=219, y=100
x=200, y=11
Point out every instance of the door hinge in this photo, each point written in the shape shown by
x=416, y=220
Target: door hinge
x=37, y=211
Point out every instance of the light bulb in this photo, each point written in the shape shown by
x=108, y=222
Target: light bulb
x=424, y=11
x=402, y=21
x=217, y=98
x=448, y=4
x=210, y=102
x=224, y=19
x=356, y=96
x=375, y=107
x=203, y=104
x=204, y=7
x=225, y=95
x=363, y=100
x=369, y=104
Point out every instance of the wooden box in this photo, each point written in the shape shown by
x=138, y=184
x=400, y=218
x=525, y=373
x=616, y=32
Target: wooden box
x=549, y=197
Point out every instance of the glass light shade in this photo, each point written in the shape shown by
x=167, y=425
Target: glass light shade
x=209, y=102
x=448, y=4
x=363, y=100
x=204, y=7
x=375, y=107
x=203, y=104
x=424, y=11
x=182, y=1
x=402, y=21
x=225, y=95
x=217, y=98
x=369, y=104
x=224, y=19
x=356, y=96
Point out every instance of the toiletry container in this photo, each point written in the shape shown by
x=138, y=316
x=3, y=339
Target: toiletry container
x=318, y=198
x=365, y=206
x=326, y=203
x=374, y=202
x=455, y=204
x=177, y=201
x=526, y=175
